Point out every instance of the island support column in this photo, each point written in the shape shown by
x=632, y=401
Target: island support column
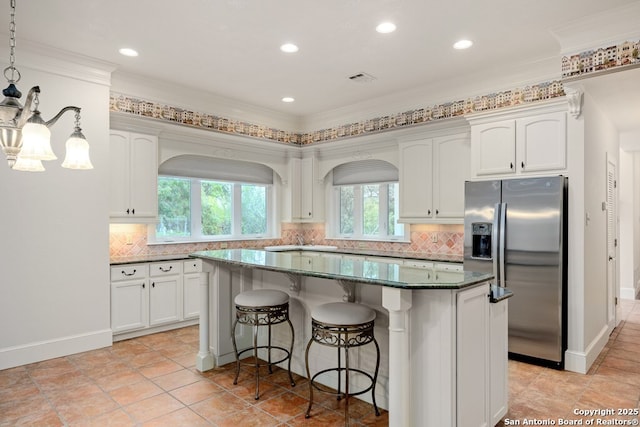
x=204, y=359
x=398, y=302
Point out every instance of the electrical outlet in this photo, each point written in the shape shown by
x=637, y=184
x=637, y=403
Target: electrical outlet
x=129, y=239
x=434, y=238
x=362, y=245
x=223, y=245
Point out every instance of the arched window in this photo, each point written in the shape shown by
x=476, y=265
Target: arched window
x=365, y=201
x=207, y=199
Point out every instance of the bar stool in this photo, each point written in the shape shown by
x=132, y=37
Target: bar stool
x=342, y=325
x=262, y=307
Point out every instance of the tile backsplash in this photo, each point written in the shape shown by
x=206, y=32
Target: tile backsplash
x=426, y=239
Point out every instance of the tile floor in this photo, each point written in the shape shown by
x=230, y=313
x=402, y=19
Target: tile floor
x=152, y=381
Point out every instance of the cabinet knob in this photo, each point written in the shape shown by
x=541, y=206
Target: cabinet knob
x=143, y=285
x=133, y=211
x=127, y=211
x=153, y=284
x=437, y=211
x=428, y=211
x=522, y=165
x=511, y=165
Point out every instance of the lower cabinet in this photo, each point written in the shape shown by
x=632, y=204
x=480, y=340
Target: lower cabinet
x=155, y=296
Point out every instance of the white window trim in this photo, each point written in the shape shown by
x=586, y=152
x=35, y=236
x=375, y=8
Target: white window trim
x=196, y=225
x=334, y=217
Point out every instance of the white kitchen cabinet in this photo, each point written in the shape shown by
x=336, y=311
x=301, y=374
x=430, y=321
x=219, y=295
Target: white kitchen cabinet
x=432, y=175
x=133, y=195
x=165, y=292
x=306, y=194
x=129, y=298
x=499, y=363
x=191, y=289
x=472, y=349
x=154, y=296
x=518, y=146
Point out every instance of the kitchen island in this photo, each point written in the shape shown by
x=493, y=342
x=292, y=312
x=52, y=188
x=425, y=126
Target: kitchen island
x=443, y=343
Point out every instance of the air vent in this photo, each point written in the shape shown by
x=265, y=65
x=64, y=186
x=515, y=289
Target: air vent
x=362, y=78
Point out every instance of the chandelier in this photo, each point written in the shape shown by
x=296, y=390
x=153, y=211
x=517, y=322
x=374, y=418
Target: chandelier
x=25, y=137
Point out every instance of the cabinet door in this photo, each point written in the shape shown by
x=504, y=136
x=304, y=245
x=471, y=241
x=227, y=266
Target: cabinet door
x=542, y=142
x=499, y=368
x=307, y=184
x=416, y=180
x=144, y=176
x=493, y=148
x=165, y=300
x=295, y=186
x=451, y=168
x=473, y=357
x=191, y=296
x=129, y=303
x=119, y=166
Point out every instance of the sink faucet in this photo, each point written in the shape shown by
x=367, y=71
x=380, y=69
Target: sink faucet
x=300, y=240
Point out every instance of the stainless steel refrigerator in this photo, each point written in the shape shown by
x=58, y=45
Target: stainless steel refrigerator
x=517, y=229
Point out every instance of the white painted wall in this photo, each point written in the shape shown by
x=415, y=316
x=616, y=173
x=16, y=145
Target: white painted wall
x=54, y=255
x=628, y=225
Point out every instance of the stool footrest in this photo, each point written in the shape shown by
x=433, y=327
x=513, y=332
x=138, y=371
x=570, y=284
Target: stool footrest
x=265, y=364
x=325, y=389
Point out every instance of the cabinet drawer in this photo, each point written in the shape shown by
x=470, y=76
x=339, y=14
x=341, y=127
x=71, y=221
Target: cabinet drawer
x=193, y=266
x=165, y=268
x=128, y=272
x=417, y=264
x=449, y=266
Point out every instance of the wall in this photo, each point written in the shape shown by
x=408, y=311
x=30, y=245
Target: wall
x=626, y=204
x=54, y=295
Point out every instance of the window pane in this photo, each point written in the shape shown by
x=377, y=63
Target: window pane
x=174, y=207
x=217, y=205
x=394, y=228
x=254, y=209
x=370, y=209
x=346, y=210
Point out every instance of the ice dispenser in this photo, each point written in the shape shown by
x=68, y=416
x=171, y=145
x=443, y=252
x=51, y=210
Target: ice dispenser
x=481, y=245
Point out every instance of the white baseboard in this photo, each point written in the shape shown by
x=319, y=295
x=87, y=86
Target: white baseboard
x=11, y=357
x=580, y=362
x=628, y=293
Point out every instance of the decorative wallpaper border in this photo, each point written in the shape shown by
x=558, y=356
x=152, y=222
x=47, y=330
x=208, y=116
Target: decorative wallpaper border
x=602, y=59
x=542, y=91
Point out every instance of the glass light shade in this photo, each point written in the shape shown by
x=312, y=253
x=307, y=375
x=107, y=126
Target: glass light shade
x=36, y=141
x=77, y=156
x=28, y=165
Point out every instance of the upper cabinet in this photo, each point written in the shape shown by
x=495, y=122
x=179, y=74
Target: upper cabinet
x=133, y=195
x=432, y=175
x=306, y=194
x=534, y=144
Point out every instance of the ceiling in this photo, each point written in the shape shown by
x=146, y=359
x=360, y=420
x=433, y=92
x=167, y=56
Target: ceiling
x=231, y=48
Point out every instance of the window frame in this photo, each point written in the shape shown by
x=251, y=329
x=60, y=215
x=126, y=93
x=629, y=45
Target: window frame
x=358, y=226
x=236, y=214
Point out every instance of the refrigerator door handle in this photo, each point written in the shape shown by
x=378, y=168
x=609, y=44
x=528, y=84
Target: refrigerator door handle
x=503, y=239
x=494, y=238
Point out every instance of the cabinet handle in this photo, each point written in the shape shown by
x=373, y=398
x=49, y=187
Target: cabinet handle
x=437, y=211
x=168, y=269
x=511, y=165
x=153, y=284
x=428, y=211
x=522, y=165
x=133, y=211
x=127, y=211
x=309, y=213
x=129, y=274
x=143, y=285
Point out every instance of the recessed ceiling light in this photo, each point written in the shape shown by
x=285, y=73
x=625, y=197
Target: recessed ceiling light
x=386, y=27
x=126, y=51
x=288, y=99
x=462, y=44
x=289, y=48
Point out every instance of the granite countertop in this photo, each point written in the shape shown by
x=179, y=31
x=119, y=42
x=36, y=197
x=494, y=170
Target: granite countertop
x=135, y=259
x=331, y=265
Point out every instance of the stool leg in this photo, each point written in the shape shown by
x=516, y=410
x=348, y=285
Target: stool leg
x=235, y=350
x=339, y=396
x=255, y=356
x=293, y=384
x=375, y=378
x=306, y=362
x=269, y=349
x=346, y=385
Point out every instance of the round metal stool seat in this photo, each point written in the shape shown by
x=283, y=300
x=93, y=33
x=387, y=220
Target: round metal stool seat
x=342, y=325
x=262, y=307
